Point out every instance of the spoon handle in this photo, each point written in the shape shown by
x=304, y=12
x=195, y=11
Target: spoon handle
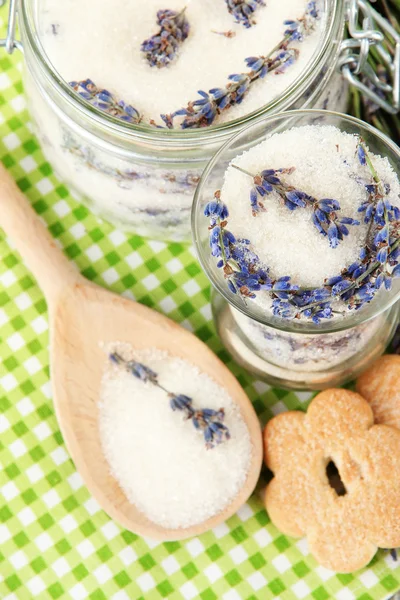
x=38, y=249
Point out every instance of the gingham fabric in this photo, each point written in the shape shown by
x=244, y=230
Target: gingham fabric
x=55, y=541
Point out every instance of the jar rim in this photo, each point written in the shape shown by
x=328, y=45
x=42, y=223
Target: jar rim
x=333, y=25
x=372, y=310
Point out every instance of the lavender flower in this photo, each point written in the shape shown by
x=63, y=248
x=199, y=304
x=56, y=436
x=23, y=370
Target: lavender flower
x=182, y=403
x=242, y=268
x=203, y=111
x=209, y=422
x=105, y=101
x=361, y=155
x=356, y=285
x=162, y=48
x=243, y=10
x=324, y=216
x=205, y=420
x=297, y=29
x=137, y=369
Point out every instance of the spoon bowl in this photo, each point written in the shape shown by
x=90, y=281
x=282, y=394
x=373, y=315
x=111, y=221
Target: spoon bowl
x=82, y=316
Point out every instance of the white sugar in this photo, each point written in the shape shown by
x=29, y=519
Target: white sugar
x=101, y=40
x=158, y=458
x=326, y=166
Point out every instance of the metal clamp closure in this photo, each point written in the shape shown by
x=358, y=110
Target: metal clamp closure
x=10, y=43
x=370, y=58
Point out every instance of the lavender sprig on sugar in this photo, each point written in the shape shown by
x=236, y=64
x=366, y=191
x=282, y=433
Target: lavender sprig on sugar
x=355, y=286
x=325, y=211
x=162, y=48
x=105, y=101
x=206, y=420
x=243, y=11
x=203, y=111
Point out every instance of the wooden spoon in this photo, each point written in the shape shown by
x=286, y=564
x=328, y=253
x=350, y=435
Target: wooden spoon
x=81, y=315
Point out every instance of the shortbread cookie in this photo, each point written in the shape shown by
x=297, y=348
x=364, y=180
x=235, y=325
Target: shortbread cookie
x=343, y=531
x=380, y=386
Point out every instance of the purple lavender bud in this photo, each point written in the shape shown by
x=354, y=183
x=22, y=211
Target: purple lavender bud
x=334, y=280
x=232, y=287
x=388, y=282
x=379, y=281
x=382, y=236
x=396, y=271
x=267, y=186
x=369, y=213
x=349, y=221
x=296, y=197
x=312, y=9
x=317, y=224
x=181, y=402
x=228, y=237
x=214, y=236
x=333, y=235
x=321, y=215
x=361, y=155
x=210, y=209
x=380, y=208
x=320, y=294
x=382, y=255
x=342, y=229
x=328, y=205
x=162, y=48
x=340, y=287
x=243, y=10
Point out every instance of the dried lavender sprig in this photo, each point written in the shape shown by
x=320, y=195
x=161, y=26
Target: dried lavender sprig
x=203, y=111
x=325, y=217
x=206, y=420
x=242, y=268
x=105, y=101
x=162, y=48
x=356, y=285
x=243, y=10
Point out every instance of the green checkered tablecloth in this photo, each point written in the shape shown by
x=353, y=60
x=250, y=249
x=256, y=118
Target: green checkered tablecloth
x=55, y=541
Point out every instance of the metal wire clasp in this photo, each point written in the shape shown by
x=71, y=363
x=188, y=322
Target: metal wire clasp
x=10, y=43
x=373, y=41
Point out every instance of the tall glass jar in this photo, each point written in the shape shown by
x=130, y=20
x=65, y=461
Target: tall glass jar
x=142, y=178
x=295, y=354
x=139, y=177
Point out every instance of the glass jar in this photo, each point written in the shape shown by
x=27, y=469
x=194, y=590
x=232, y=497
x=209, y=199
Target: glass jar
x=139, y=177
x=294, y=354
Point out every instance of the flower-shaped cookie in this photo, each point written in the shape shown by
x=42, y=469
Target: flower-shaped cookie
x=343, y=531
x=380, y=386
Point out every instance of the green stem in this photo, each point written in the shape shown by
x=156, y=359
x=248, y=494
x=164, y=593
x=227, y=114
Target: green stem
x=243, y=171
x=371, y=167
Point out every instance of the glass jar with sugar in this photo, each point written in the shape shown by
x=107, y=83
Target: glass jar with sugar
x=116, y=104
x=300, y=237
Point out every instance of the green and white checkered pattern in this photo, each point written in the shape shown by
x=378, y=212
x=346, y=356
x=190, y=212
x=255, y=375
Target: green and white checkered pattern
x=55, y=541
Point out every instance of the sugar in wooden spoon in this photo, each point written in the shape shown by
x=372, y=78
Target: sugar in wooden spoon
x=81, y=316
